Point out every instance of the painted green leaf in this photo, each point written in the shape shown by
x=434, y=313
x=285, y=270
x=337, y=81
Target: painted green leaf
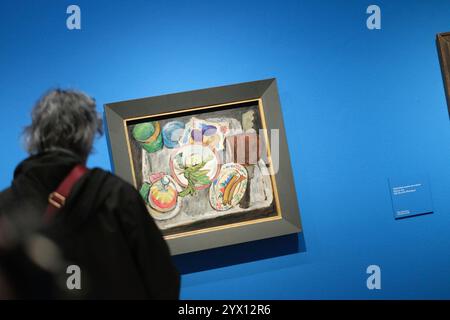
x=145, y=189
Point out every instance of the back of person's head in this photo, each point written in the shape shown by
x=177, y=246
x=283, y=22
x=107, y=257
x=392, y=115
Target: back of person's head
x=63, y=119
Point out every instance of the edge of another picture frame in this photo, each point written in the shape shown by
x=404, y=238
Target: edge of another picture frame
x=263, y=91
x=443, y=45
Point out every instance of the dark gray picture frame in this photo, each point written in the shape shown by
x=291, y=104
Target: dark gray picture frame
x=443, y=45
x=265, y=93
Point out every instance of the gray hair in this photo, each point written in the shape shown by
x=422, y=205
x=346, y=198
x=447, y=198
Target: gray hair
x=63, y=119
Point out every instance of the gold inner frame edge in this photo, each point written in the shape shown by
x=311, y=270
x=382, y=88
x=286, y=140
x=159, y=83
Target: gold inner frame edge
x=269, y=158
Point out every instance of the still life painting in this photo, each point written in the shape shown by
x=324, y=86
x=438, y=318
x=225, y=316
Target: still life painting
x=211, y=165
x=202, y=169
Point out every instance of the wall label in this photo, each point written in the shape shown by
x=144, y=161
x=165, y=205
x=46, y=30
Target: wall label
x=410, y=196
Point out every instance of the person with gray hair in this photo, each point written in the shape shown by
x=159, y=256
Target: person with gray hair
x=65, y=120
x=95, y=220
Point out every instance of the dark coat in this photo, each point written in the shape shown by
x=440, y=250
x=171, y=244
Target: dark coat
x=104, y=228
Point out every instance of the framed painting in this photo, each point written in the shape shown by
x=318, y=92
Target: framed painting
x=211, y=165
x=443, y=44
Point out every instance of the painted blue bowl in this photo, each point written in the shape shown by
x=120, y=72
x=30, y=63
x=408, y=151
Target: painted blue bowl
x=172, y=131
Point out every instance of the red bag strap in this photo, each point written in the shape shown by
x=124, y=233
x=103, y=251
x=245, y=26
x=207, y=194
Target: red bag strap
x=57, y=198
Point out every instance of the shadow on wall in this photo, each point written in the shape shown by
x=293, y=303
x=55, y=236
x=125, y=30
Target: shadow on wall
x=240, y=253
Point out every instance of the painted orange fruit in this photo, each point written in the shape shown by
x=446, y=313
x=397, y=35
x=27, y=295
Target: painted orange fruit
x=163, y=196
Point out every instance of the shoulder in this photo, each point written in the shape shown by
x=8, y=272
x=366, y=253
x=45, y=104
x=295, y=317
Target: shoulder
x=109, y=177
x=122, y=198
x=113, y=184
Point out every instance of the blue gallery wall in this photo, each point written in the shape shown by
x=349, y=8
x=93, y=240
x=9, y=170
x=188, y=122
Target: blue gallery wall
x=359, y=106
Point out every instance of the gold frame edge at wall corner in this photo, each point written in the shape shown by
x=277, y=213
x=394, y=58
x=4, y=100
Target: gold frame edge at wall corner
x=278, y=216
x=130, y=158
